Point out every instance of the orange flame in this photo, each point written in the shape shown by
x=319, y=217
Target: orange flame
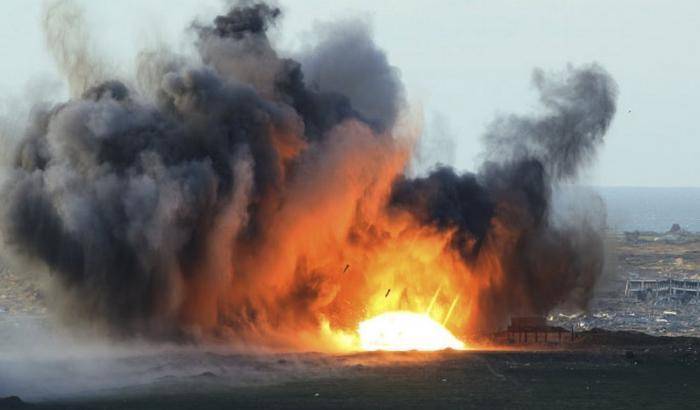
x=329, y=252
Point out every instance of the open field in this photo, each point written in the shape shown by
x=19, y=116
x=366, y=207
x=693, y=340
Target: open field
x=631, y=372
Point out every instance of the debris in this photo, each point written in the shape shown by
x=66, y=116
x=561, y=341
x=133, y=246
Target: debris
x=670, y=313
x=346, y=268
x=387, y=292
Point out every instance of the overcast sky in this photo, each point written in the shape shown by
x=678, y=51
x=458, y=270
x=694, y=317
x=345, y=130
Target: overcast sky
x=462, y=61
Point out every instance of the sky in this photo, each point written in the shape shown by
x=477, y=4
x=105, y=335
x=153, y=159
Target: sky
x=462, y=62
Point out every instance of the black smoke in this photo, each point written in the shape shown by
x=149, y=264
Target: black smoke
x=121, y=192
x=117, y=193
x=526, y=157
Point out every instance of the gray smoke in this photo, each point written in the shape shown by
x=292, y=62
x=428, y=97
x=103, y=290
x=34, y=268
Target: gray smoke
x=117, y=194
x=579, y=105
x=506, y=208
x=135, y=198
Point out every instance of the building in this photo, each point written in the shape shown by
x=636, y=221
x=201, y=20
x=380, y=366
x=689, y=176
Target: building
x=683, y=289
x=533, y=330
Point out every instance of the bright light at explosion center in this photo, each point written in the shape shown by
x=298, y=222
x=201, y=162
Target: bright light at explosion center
x=399, y=331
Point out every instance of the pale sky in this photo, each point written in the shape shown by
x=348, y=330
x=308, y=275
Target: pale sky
x=463, y=62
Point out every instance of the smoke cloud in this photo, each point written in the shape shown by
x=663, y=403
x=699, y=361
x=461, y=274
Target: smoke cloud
x=505, y=209
x=253, y=197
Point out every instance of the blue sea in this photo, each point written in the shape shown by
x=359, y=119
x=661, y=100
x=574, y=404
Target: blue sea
x=651, y=209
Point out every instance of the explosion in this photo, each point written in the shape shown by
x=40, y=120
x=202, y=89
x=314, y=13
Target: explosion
x=258, y=199
x=405, y=331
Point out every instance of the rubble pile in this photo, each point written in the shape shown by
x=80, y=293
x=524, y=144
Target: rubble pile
x=656, y=317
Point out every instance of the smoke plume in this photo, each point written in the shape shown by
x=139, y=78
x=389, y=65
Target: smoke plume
x=253, y=197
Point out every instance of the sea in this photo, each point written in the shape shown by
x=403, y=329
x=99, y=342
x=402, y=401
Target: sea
x=651, y=209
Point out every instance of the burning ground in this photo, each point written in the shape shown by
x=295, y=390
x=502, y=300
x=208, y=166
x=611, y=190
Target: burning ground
x=253, y=197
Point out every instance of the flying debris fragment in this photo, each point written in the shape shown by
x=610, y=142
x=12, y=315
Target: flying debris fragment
x=387, y=292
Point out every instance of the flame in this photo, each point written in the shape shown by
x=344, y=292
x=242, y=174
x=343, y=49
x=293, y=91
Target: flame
x=328, y=291
x=401, y=330
x=316, y=273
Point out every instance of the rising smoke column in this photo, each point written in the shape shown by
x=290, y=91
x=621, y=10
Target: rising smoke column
x=500, y=217
x=223, y=196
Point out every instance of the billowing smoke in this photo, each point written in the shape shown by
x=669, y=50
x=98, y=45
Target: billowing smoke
x=505, y=208
x=250, y=196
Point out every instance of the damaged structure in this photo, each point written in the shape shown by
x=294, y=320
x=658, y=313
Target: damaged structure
x=682, y=289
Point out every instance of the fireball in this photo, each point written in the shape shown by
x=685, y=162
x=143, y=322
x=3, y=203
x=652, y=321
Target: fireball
x=401, y=331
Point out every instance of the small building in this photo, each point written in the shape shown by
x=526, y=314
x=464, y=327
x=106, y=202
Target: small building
x=533, y=330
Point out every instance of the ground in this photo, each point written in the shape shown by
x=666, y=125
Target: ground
x=658, y=374
x=643, y=256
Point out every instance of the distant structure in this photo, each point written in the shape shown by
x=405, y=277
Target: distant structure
x=676, y=235
x=533, y=330
x=682, y=289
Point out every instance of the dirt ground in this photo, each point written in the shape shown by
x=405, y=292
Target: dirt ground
x=658, y=374
x=653, y=259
